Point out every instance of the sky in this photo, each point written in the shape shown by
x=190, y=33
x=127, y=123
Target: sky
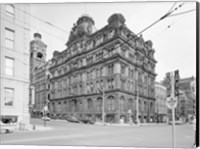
x=174, y=38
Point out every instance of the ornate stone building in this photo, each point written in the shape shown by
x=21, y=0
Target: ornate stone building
x=112, y=59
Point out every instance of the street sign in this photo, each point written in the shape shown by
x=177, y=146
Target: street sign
x=45, y=108
x=171, y=102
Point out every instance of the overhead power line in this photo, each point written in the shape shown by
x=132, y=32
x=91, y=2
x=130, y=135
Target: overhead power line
x=181, y=13
x=160, y=19
x=172, y=6
x=171, y=24
x=34, y=27
x=42, y=20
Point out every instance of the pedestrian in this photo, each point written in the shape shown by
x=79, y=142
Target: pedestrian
x=194, y=128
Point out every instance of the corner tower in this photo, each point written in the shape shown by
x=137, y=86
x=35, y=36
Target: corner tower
x=37, y=55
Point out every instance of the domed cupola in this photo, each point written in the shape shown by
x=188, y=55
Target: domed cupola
x=116, y=20
x=83, y=27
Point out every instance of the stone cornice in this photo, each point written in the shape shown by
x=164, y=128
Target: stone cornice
x=100, y=94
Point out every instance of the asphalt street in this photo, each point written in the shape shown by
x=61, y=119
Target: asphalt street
x=64, y=133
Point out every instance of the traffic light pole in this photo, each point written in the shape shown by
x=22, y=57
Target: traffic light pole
x=137, y=110
x=173, y=113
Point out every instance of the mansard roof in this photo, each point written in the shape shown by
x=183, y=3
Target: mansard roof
x=121, y=28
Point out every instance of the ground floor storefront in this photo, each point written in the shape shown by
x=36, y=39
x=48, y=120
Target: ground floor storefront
x=14, y=122
x=118, y=106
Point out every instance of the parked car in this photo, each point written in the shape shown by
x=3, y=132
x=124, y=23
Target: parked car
x=72, y=119
x=53, y=116
x=45, y=118
x=86, y=121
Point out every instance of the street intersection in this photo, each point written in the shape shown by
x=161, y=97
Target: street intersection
x=72, y=134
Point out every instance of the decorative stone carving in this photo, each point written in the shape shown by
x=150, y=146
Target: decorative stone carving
x=149, y=44
x=111, y=33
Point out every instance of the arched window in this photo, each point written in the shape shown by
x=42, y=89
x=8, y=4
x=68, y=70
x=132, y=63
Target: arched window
x=122, y=103
x=130, y=104
x=99, y=104
x=145, y=106
x=89, y=103
x=140, y=106
x=151, y=107
x=111, y=103
x=53, y=108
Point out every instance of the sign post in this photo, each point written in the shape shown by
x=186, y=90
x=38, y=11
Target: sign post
x=45, y=109
x=172, y=93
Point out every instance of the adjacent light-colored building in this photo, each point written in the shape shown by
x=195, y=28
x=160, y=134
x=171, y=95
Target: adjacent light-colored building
x=112, y=60
x=161, y=108
x=14, y=61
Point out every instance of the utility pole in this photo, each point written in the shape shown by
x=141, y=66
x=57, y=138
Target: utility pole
x=172, y=95
x=137, y=108
x=157, y=112
x=173, y=115
x=137, y=96
x=103, y=107
x=137, y=91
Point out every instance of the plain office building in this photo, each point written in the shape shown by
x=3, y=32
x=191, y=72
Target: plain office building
x=14, y=61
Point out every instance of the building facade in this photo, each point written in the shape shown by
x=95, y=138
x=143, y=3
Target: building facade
x=186, y=106
x=112, y=60
x=187, y=88
x=15, y=23
x=161, y=107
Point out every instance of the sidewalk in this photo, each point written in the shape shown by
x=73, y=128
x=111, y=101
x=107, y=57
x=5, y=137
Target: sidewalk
x=133, y=125
x=41, y=128
x=116, y=124
x=35, y=128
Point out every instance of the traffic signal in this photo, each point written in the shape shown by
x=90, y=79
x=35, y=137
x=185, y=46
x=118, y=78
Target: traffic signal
x=168, y=81
x=176, y=83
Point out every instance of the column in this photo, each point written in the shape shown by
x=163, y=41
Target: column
x=32, y=95
x=118, y=48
